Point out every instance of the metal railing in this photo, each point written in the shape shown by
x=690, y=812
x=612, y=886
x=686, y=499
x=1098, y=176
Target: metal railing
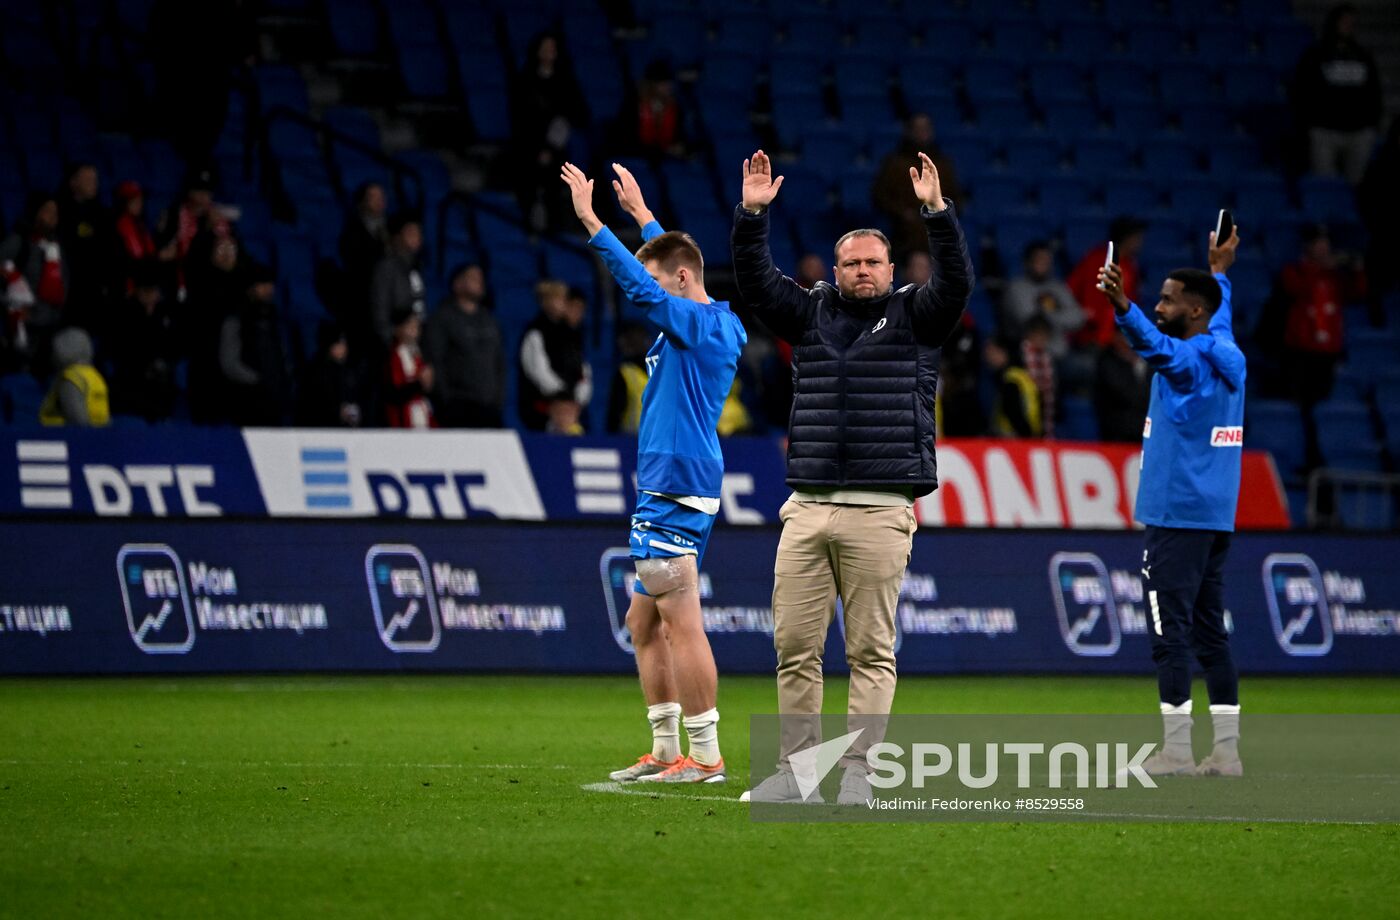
x=1350, y=500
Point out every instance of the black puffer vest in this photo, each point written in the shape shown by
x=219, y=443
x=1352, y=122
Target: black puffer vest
x=865, y=373
x=863, y=396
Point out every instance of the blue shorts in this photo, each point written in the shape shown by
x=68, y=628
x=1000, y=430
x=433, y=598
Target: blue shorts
x=664, y=529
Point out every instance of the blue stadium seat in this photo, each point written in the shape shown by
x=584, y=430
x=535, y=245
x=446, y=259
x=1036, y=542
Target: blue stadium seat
x=689, y=185
x=281, y=85
x=1342, y=425
x=862, y=74
x=1206, y=121
x=1328, y=199
x=747, y=35
x=1014, y=233
x=1069, y=120
x=1001, y=117
x=433, y=177
x=954, y=36
x=794, y=114
x=1140, y=123
x=490, y=114
x=1390, y=418
x=1020, y=37
x=1231, y=155
x=1169, y=156
x=992, y=78
x=924, y=76
x=1082, y=233
x=728, y=73
x=887, y=36
x=1361, y=508
x=1124, y=195
x=1277, y=426
x=1262, y=196
x=1222, y=43
x=1054, y=82
x=1372, y=351
x=571, y=266
x=1121, y=83
x=796, y=74
x=1351, y=386
x=1032, y=155
x=1094, y=156
x=424, y=70
x=1160, y=42
x=354, y=27
x=1283, y=43
x=1253, y=85
x=671, y=36
x=1181, y=82
x=293, y=139
x=829, y=149
x=854, y=187
x=1080, y=422
x=1068, y=196
x=970, y=149
x=20, y=398
x=819, y=34
x=1083, y=37
x=994, y=195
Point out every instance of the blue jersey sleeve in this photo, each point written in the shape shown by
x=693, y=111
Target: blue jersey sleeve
x=651, y=231
x=1180, y=362
x=1222, y=324
x=684, y=321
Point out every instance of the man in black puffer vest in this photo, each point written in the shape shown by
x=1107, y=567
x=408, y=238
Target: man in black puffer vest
x=860, y=450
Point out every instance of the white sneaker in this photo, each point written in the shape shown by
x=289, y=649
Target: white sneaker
x=781, y=787
x=1163, y=763
x=855, y=787
x=1220, y=764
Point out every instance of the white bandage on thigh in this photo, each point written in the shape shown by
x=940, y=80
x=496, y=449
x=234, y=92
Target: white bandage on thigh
x=662, y=576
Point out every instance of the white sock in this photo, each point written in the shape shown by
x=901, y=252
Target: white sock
x=703, y=730
x=1176, y=731
x=665, y=731
x=1226, y=720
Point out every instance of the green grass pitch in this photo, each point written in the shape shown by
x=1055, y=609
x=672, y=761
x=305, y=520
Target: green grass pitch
x=441, y=796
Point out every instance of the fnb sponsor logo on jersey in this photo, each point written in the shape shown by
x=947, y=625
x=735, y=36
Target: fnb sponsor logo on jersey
x=1228, y=436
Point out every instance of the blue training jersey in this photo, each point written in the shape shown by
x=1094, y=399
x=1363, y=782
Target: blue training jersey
x=690, y=370
x=1194, y=433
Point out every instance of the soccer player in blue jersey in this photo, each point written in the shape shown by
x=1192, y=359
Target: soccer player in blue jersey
x=1187, y=495
x=679, y=473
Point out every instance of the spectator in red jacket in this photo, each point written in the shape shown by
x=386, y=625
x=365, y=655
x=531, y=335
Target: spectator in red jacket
x=1127, y=234
x=410, y=378
x=36, y=280
x=1315, y=288
x=136, y=247
x=660, y=122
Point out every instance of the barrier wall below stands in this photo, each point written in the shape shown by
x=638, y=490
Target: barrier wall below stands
x=177, y=596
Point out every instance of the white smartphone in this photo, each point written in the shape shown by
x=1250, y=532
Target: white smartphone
x=1108, y=260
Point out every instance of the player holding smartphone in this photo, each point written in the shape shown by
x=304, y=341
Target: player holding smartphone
x=1187, y=494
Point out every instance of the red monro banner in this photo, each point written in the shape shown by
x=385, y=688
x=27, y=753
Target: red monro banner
x=990, y=483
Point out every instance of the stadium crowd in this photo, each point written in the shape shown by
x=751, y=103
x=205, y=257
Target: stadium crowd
x=123, y=312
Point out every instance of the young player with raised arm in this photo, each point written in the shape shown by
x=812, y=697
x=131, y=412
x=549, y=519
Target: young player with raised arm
x=679, y=473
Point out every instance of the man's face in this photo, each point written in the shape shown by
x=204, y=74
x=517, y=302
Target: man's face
x=920, y=130
x=264, y=292
x=46, y=218
x=670, y=281
x=339, y=351
x=1039, y=264
x=863, y=268
x=225, y=255
x=409, y=330
x=1319, y=250
x=198, y=200
x=470, y=284
x=84, y=184
x=918, y=268
x=411, y=239
x=375, y=202
x=148, y=298
x=810, y=269
x=1176, y=311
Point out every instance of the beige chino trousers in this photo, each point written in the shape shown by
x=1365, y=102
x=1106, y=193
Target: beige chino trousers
x=857, y=553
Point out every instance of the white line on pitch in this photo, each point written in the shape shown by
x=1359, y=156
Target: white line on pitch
x=619, y=789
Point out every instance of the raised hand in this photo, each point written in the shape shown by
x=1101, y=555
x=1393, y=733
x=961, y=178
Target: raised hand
x=1111, y=283
x=760, y=188
x=629, y=196
x=581, y=190
x=926, y=185
x=1222, y=255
